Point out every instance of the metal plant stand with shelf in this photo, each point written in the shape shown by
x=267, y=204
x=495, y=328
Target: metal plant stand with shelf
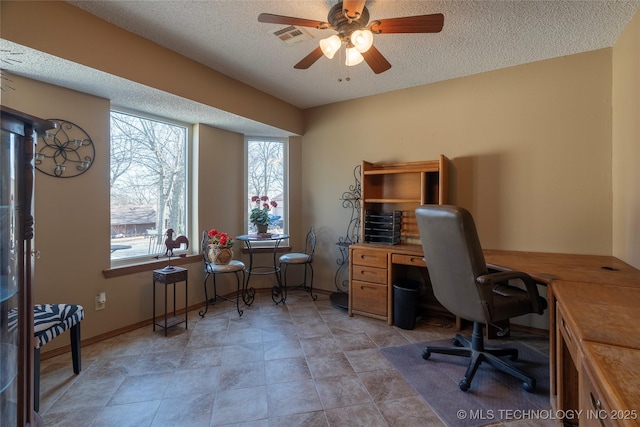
x=350, y=200
x=167, y=276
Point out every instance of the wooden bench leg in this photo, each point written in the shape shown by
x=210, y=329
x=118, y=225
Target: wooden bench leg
x=75, y=348
x=75, y=356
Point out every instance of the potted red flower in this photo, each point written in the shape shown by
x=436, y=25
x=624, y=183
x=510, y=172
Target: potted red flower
x=220, y=247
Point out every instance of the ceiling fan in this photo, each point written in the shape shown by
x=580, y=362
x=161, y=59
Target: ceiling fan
x=350, y=18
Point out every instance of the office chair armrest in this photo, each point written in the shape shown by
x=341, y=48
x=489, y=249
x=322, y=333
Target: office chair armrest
x=503, y=276
x=492, y=279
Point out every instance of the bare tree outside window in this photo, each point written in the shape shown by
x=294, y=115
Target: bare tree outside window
x=265, y=177
x=148, y=184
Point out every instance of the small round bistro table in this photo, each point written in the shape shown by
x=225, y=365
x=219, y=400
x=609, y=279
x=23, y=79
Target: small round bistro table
x=277, y=295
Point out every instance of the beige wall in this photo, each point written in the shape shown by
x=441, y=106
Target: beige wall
x=71, y=215
x=219, y=177
x=530, y=148
x=626, y=145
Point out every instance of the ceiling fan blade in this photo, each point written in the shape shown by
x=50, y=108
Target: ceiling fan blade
x=410, y=24
x=289, y=20
x=376, y=61
x=352, y=9
x=309, y=60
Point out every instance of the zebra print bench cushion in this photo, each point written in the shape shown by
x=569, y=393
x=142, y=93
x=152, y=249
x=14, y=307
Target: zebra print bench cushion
x=51, y=320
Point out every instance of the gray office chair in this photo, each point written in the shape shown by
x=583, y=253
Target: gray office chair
x=300, y=258
x=464, y=286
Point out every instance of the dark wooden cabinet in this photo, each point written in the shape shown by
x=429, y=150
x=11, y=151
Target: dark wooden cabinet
x=16, y=233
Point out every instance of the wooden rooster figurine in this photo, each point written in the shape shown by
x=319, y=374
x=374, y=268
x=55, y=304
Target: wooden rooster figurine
x=174, y=244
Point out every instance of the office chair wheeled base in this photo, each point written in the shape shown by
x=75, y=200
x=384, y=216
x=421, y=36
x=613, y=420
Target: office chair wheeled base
x=478, y=353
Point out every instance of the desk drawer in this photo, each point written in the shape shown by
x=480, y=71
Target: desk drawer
x=609, y=393
x=369, y=297
x=369, y=274
x=414, y=260
x=565, y=331
x=370, y=258
x=597, y=412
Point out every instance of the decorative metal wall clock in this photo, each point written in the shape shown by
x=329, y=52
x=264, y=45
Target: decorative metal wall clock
x=65, y=151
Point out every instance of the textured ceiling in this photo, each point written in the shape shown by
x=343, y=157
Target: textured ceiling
x=225, y=35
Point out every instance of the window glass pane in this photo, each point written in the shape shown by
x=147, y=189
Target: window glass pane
x=266, y=182
x=148, y=185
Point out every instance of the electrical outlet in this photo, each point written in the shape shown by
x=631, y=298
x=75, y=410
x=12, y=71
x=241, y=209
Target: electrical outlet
x=100, y=303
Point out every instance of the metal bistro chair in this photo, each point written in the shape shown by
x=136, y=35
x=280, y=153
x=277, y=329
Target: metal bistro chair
x=300, y=258
x=211, y=268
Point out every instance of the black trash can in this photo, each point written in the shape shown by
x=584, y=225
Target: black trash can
x=405, y=301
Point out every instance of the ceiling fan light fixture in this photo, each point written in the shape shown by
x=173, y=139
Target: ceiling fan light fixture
x=353, y=57
x=362, y=40
x=330, y=46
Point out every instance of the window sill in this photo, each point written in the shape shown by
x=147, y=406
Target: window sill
x=149, y=266
x=189, y=259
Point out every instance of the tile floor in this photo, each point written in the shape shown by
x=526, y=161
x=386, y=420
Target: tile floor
x=301, y=364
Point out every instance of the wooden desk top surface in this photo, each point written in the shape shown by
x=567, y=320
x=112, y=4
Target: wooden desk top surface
x=547, y=267
x=595, y=312
x=617, y=372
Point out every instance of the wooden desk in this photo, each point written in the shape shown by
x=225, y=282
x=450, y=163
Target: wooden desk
x=596, y=326
x=371, y=277
x=600, y=312
x=594, y=308
x=547, y=267
x=593, y=315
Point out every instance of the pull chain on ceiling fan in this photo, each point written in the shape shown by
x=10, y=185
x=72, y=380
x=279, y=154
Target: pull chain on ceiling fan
x=350, y=19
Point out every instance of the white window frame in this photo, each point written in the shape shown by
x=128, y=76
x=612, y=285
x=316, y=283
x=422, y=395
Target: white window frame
x=285, y=185
x=133, y=260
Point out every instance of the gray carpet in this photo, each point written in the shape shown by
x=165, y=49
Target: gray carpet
x=492, y=396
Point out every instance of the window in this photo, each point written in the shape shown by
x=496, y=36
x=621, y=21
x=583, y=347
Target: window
x=266, y=172
x=148, y=184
